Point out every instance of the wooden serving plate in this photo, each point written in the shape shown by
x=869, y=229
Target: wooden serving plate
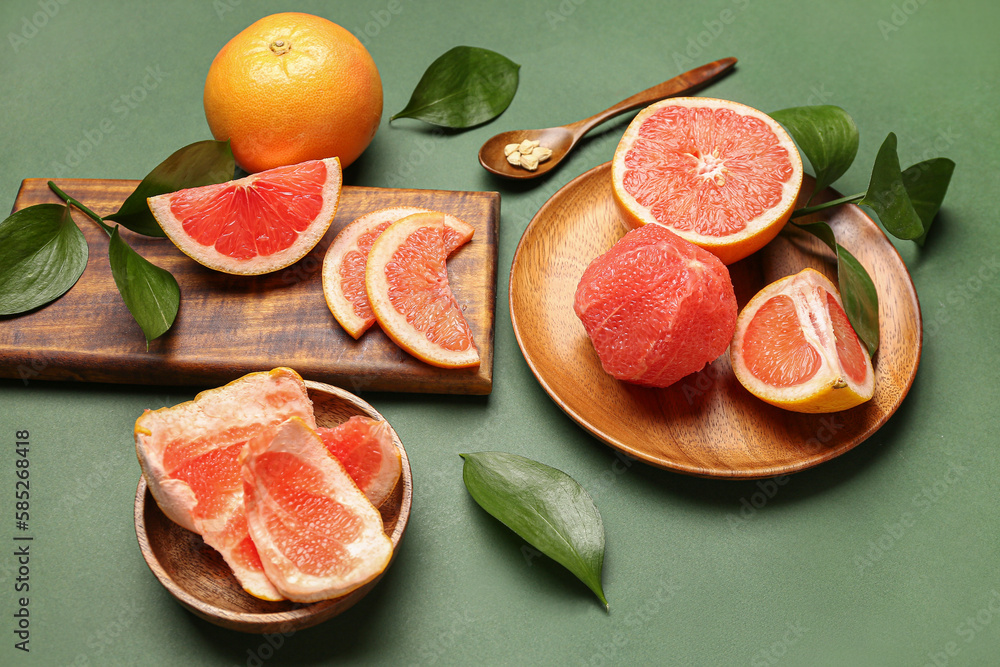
x=200, y=580
x=228, y=325
x=706, y=424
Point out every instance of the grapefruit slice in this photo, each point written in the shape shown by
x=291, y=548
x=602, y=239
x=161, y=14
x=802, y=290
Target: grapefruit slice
x=344, y=264
x=720, y=174
x=189, y=454
x=795, y=348
x=656, y=307
x=318, y=536
x=365, y=448
x=253, y=225
x=407, y=284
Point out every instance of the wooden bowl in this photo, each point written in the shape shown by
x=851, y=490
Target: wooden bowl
x=199, y=579
x=706, y=424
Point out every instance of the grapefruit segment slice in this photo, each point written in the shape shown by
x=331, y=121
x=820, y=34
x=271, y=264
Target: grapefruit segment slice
x=656, y=307
x=189, y=454
x=365, y=448
x=253, y=225
x=720, y=174
x=345, y=261
x=318, y=535
x=407, y=284
x=795, y=348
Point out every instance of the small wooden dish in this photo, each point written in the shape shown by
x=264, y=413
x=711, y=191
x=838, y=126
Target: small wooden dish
x=199, y=579
x=706, y=424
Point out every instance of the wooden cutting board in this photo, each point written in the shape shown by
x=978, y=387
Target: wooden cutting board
x=228, y=326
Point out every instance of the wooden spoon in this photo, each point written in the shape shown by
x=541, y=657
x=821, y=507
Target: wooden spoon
x=563, y=138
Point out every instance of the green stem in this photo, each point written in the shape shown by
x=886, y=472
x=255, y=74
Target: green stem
x=70, y=200
x=819, y=207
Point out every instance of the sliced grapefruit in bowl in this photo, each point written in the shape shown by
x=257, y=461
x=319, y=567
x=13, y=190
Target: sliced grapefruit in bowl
x=317, y=533
x=794, y=347
x=365, y=448
x=253, y=225
x=407, y=284
x=189, y=454
x=345, y=260
x=720, y=174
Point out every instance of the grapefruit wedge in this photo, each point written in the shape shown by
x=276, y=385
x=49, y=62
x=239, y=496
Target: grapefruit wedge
x=253, y=225
x=407, y=284
x=795, y=348
x=344, y=264
x=189, y=454
x=720, y=174
x=318, y=535
x=365, y=448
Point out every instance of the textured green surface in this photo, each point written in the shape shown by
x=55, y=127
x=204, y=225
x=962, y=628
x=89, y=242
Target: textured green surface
x=693, y=577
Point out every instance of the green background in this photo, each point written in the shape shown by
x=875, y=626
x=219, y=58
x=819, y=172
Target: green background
x=887, y=555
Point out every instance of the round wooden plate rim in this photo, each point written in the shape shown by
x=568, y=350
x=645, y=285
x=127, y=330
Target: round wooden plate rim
x=307, y=614
x=541, y=219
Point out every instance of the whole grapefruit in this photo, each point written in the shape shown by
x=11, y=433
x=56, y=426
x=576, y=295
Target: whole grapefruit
x=293, y=87
x=656, y=307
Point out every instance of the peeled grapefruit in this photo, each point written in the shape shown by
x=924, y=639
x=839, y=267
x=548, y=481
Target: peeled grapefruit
x=720, y=174
x=365, y=448
x=253, y=225
x=407, y=284
x=656, y=307
x=293, y=87
x=318, y=536
x=794, y=347
x=189, y=454
x=344, y=264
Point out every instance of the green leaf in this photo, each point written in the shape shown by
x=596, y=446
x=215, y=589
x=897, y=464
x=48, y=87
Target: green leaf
x=827, y=136
x=42, y=255
x=888, y=197
x=151, y=293
x=926, y=184
x=200, y=163
x=857, y=290
x=464, y=87
x=544, y=506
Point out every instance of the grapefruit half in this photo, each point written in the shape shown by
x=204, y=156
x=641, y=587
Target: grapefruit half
x=720, y=174
x=407, y=284
x=318, y=535
x=365, y=448
x=656, y=307
x=253, y=225
x=189, y=454
x=795, y=348
x=344, y=264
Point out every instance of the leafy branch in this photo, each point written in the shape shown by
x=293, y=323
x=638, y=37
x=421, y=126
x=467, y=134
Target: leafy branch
x=43, y=253
x=904, y=201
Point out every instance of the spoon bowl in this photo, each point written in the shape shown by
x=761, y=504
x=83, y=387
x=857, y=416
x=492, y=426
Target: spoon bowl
x=563, y=138
x=197, y=577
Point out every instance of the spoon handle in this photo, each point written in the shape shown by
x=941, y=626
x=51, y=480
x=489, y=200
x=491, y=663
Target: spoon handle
x=682, y=83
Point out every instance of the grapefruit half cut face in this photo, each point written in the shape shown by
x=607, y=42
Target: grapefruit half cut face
x=345, y=261
x=720, y=174
x=795, y=348
x=253, y=225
